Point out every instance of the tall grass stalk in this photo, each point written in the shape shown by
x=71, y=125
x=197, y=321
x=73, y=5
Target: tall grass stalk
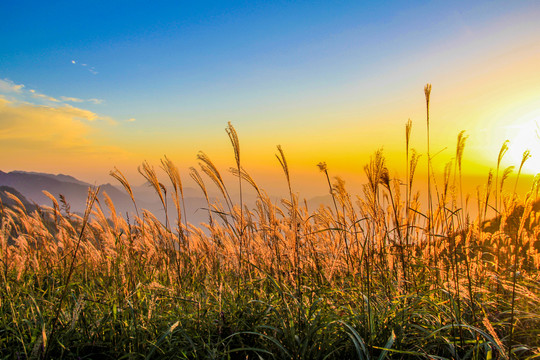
x=174, y=176
x=294, y=223
x=427, y=93
x=525, y=216
x=502, y=152
x=341, y=220
x=524, y=158
x=408, y=190
x=148, y=172
x=233, y=137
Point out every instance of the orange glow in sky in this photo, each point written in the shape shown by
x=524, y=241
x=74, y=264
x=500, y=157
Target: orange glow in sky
x=329, y=84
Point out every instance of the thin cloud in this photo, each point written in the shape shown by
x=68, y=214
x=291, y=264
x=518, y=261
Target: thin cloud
x=71, y=99
x=45, y=127
x=35, y=123
x=63, y=129
x=91, y=69
x=77, y=100
x=78, y=113
x=37, y=95
x=8, y=86
x=19, y=93
x=131, y=120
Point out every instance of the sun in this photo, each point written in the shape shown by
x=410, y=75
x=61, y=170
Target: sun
x=524, y=134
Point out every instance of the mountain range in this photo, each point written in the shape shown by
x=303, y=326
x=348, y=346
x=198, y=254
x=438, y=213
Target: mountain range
x=30, y=186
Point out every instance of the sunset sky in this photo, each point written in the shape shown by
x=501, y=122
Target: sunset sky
x=86, y=86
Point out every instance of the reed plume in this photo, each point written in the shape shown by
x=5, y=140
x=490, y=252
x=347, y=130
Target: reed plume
x=149, y=174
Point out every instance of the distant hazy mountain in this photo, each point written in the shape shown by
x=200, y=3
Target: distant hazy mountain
x=31, y=185
x=9, y=202
x=60, y=177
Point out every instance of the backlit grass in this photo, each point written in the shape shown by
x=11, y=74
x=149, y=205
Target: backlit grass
x=376, y=275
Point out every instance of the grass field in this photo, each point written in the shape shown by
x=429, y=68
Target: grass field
x=376, y=275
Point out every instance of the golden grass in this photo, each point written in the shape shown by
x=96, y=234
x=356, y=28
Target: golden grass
x=381, y=243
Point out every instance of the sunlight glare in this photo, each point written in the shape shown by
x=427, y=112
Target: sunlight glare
x=525, y=135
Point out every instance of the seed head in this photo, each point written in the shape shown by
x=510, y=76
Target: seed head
x=322, y=166
x=427, y=91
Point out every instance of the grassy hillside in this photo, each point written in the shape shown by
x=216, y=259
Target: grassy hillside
x=373, y=276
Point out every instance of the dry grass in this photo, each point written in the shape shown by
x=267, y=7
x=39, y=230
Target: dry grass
x=374, y=275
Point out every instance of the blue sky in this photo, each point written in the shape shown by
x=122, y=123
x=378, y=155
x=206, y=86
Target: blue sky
x=166, y=77
x=179, y=57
